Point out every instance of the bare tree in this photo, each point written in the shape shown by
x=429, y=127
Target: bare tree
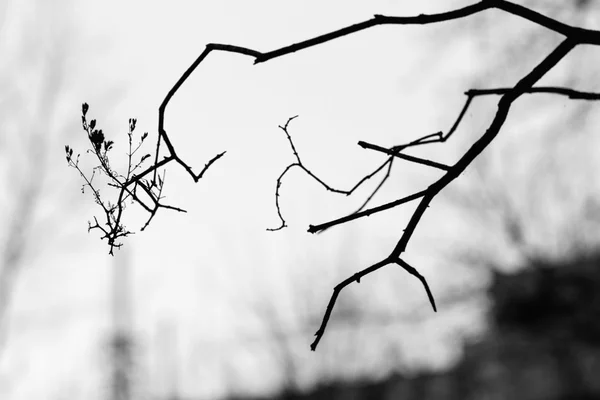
x=149, y=181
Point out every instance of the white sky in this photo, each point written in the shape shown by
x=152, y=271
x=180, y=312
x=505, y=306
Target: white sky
x=193, y=272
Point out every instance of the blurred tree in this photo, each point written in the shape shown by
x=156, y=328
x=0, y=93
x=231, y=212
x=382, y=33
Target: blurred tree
x=35, y=45
x=554, y=299
x=535, y=187
x=542, y=341
x=121, y=346
x=532, y=205
x=533, y=191
x=370, y=341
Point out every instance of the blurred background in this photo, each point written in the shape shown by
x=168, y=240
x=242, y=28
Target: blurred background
x=208, y=304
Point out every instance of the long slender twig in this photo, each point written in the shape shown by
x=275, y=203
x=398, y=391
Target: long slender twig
x=298, y=163
x=561, y=91
x=396, y=153
x=366, y=213
x=440, y=137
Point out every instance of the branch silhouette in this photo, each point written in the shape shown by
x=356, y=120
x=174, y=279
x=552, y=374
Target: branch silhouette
x=572, y=37
x=301, y=165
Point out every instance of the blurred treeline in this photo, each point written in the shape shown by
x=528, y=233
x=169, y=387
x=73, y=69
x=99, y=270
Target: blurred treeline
x=543, y=342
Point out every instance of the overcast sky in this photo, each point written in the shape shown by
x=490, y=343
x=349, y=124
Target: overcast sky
x=193, y=274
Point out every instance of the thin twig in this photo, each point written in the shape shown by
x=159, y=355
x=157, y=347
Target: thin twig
x=298, y=163
x=396, y=153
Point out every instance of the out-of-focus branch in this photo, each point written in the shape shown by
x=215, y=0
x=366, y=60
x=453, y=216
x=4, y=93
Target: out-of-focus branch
x=37, y=46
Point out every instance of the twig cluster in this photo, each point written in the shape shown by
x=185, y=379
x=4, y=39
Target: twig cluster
x=127, y=185
x=572, y=37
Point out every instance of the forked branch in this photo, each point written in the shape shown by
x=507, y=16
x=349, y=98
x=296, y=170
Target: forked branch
x=573, y=36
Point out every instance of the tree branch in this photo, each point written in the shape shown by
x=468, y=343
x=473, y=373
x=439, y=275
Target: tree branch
x=504, y=105
x=298, y=163
x=573, y=37
x=396, y=153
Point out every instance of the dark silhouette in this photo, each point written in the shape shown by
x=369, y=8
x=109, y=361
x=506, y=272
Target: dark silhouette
x=127, y=184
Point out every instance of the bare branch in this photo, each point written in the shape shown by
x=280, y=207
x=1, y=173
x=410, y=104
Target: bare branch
x=396, y=153
x=366, y=213
x=301, y=165
x=570, y=93
x=582, y=35
x=336, y=291
x=439, y=137
x=573, y=37
x=504, y=105
x=416, y=273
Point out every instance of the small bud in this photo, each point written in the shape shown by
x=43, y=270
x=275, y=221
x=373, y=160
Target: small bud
x=92, y=124
x=97, y=138
x=144, y=136
x=84, y=108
